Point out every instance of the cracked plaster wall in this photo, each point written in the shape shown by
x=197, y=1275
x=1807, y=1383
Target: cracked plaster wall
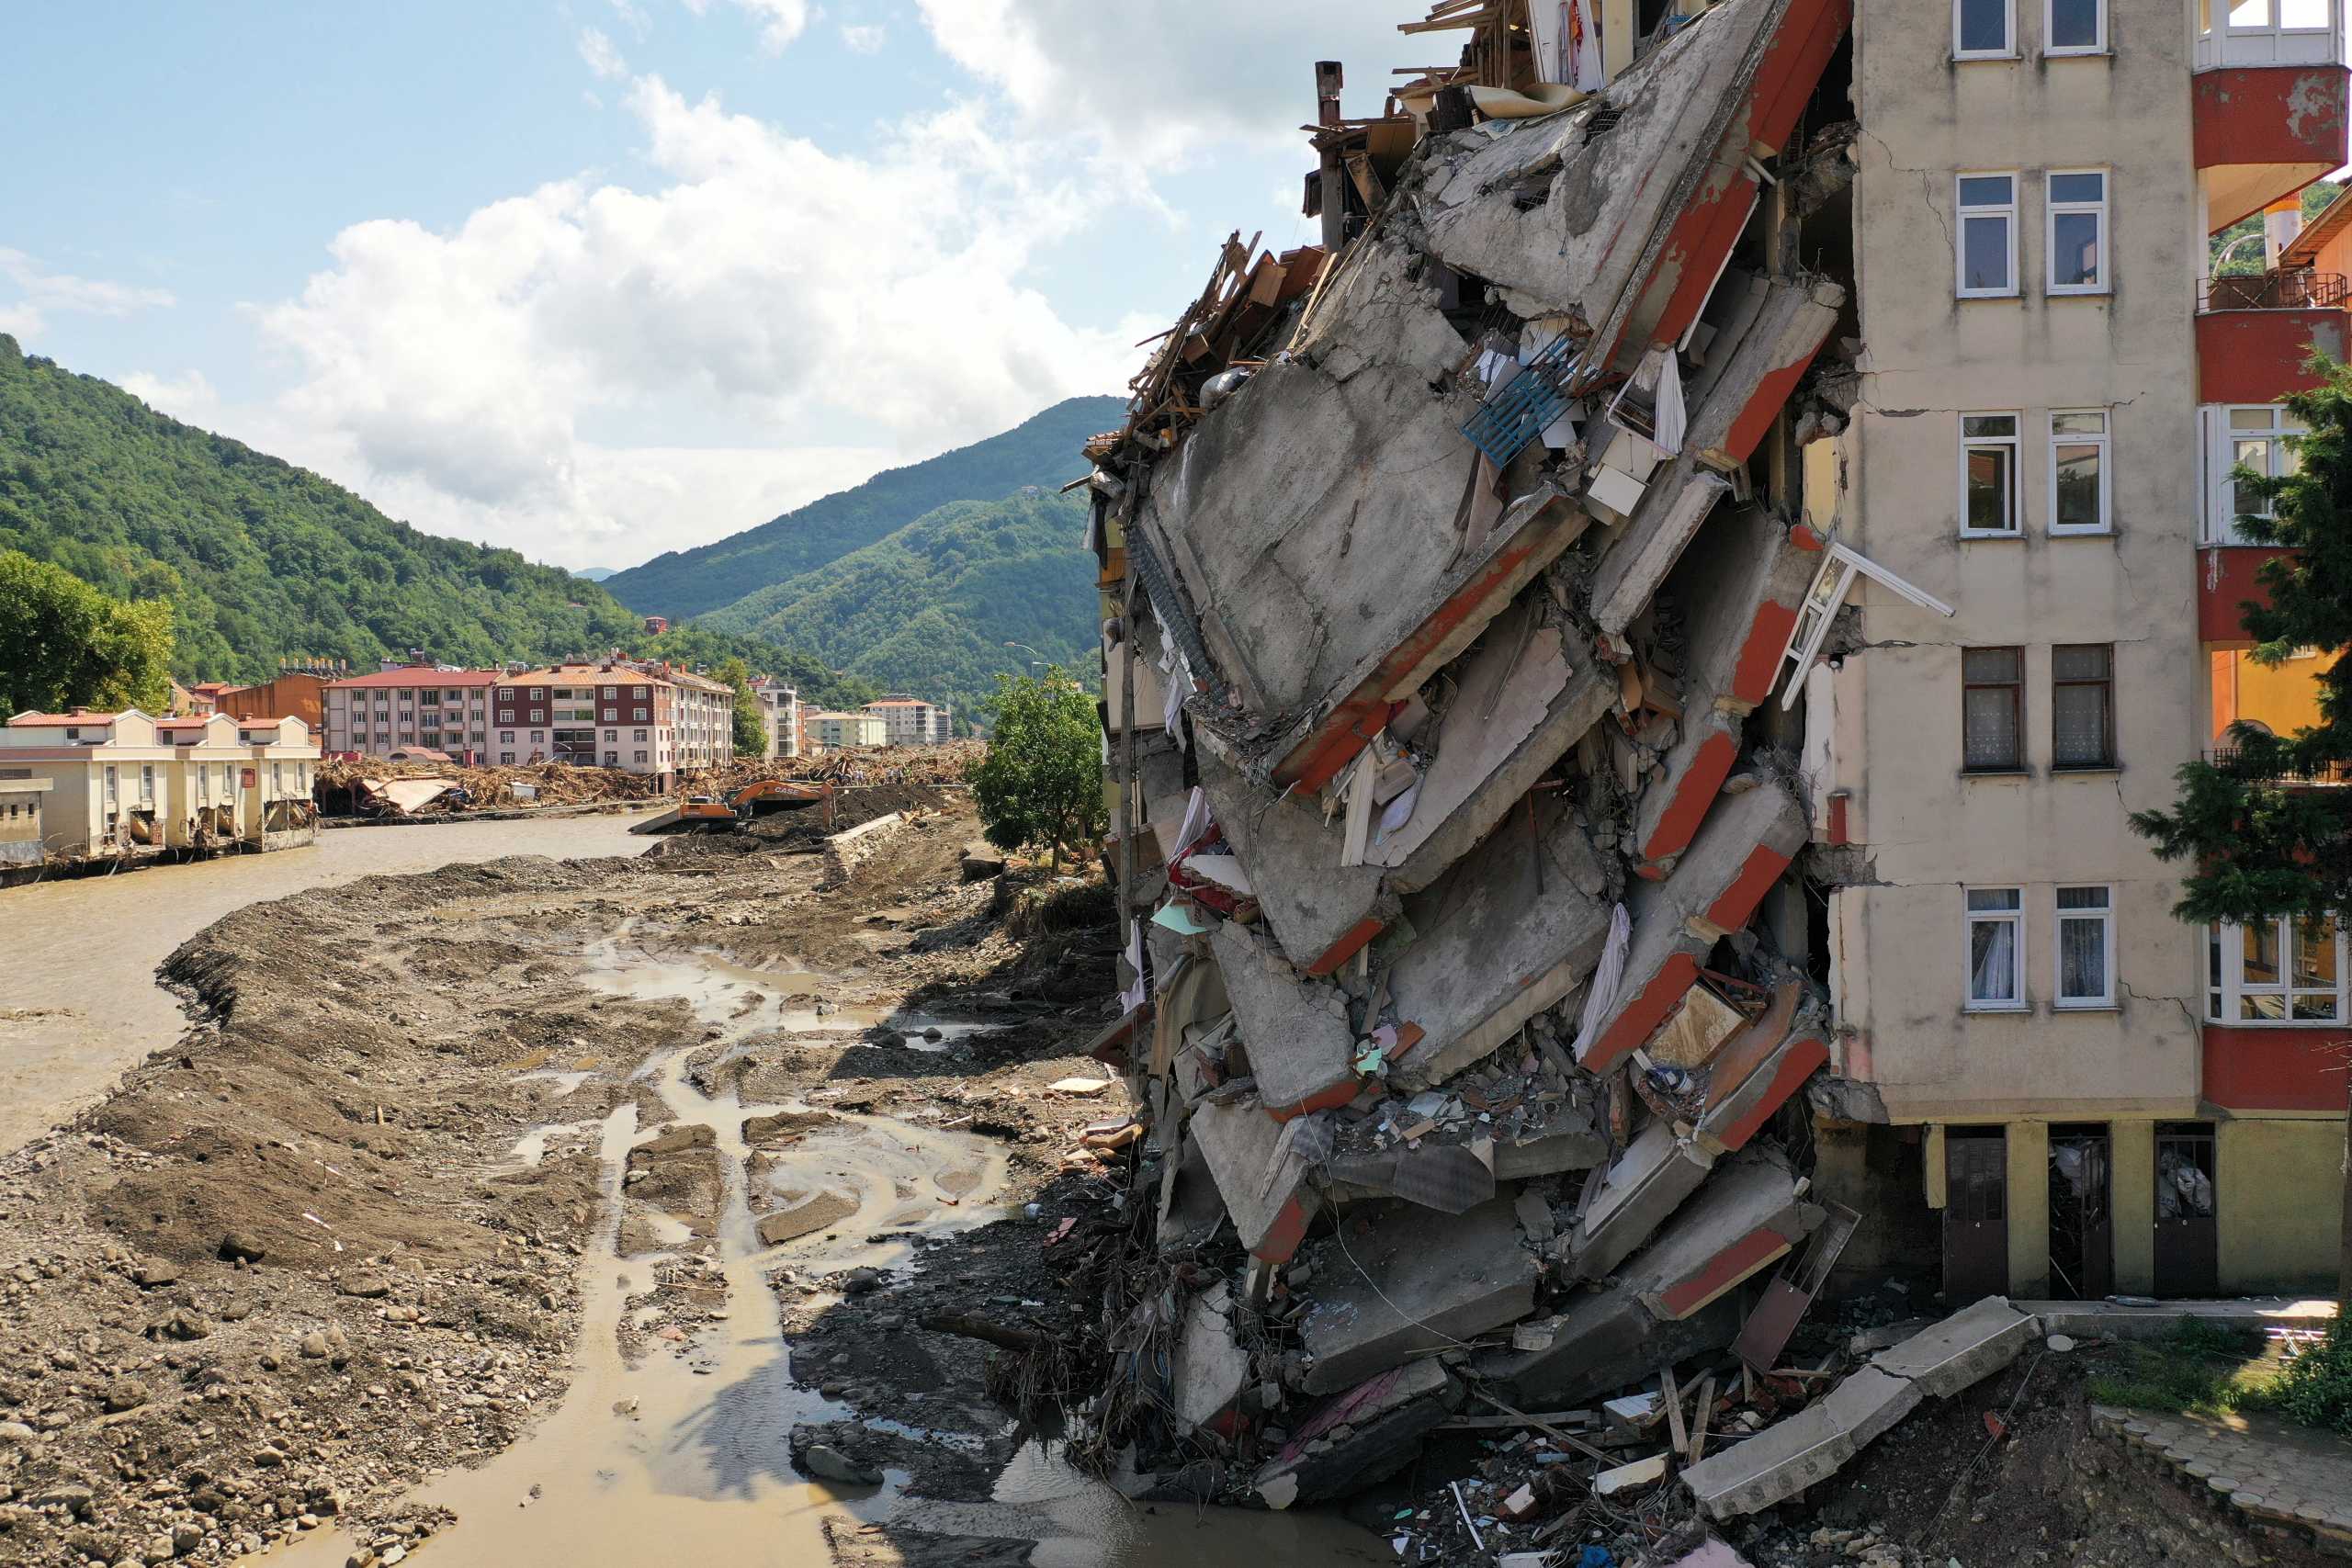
x=1900, y=946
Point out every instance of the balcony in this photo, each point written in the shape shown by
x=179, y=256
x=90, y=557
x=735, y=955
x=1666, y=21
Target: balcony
x=2335, y=776
x=2289, y=288
x=2253, y=332
x=2271, y=92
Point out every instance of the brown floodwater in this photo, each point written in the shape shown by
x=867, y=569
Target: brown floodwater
x=78, y=998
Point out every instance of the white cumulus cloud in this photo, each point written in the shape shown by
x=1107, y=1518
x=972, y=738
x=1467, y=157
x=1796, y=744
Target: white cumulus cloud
x=603, y=56
x=190, y=400
x=473, y=379
x=864, y=39
x=1231, y=71
x=781, y=22
x=41, y=293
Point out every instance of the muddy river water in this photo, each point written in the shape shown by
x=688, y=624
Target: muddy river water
x=678, y=1457
x=78, y=998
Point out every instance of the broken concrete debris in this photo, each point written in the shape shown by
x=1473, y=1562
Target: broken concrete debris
x=1451, y=566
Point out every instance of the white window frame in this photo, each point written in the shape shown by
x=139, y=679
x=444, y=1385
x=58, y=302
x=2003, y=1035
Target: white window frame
x=2053, y=210
x=1962, y=213
x=2221, y=457
x=2050, y=30
x=2105, y=917
x=2104, y=441
x=2014, y=919
x=2230, y=985
x=2015, y=442
x=2008, y=50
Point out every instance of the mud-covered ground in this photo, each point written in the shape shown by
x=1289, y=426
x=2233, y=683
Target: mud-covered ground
x=334, y=1240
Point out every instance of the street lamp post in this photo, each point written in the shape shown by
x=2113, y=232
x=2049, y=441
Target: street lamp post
x=1034, y=661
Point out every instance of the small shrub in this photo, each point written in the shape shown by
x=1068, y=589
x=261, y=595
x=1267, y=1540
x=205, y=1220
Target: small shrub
x=2316, y=1387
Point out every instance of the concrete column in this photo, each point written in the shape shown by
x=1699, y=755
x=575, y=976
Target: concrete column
x=2131, y=1199
x=2029, y=1145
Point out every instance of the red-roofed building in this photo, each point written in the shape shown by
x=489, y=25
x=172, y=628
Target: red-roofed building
x=653, y=719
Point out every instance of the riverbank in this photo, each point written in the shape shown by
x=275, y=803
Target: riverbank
x=81, y=1006
x=605, y=1173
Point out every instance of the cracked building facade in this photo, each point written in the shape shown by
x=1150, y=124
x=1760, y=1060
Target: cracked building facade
x=1625, y=671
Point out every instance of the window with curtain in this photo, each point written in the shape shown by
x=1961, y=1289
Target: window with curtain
x=1995, y=936
x=1991, y=712
x=2082, y=705
x=2085, y=947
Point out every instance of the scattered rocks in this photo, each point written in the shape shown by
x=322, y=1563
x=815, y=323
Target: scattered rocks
x=156, y=1274
x=243, y=1246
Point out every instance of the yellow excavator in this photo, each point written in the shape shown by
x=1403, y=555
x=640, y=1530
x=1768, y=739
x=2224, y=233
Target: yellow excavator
x=729, y=813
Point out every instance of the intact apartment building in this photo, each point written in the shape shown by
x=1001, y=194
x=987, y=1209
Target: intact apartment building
x=780, y=714
x=653, y=720
x=829, y=731
x=910, y=721
x=409, y=706
x=2051, y=395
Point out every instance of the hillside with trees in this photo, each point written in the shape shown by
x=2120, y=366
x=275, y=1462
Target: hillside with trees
x=261, y=560
x=930, y=608
x=1042, y=451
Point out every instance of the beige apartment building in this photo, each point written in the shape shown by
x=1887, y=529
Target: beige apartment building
x=780, y=714
x=2086, y=1095
x=409, y=706
x=910, y=721
x=118, y=785
x=828, y=731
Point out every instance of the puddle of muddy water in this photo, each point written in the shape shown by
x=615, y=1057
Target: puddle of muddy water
x=698, y=1467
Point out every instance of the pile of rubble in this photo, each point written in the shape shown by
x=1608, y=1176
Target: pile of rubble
x=946, y=764
x=376, y=785
x=1459, y=564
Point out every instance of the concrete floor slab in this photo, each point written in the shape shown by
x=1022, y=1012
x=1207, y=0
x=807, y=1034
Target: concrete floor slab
x=1391, y=1285
x=1963, y=1350
x=1771, y=1467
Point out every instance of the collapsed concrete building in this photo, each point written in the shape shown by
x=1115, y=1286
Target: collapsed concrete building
x=1471, y=585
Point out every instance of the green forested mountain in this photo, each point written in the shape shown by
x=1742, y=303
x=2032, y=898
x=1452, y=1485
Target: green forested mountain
x=261, y=559
x=929, y=608
x=1044, y=451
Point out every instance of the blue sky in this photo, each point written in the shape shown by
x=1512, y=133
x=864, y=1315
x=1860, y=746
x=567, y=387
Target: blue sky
x=597, y=279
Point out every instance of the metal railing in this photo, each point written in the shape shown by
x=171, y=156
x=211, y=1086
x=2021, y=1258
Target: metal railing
x=2298, y=288
x=2226, y=759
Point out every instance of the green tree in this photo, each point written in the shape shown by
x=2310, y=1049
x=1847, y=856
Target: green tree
x=63, y=643
x=1040, y=782
x=751, y=735
x=2258, y=846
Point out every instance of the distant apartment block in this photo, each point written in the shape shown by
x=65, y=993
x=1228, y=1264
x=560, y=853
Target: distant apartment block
x=845, y=731
x=910, y=721
x=780, y=714
x=408, y=706
x=653, y=719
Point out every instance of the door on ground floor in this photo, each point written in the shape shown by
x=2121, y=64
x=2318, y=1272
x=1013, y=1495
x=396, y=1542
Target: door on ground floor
x=1976, y=1213
x=2082, y=1212
x=2189, y=1243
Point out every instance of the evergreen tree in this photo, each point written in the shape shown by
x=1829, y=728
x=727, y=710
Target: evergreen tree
x=1041, y=779
x=2256, y=846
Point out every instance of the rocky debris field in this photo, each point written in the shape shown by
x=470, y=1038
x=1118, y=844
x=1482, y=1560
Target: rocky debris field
x=333, y=1241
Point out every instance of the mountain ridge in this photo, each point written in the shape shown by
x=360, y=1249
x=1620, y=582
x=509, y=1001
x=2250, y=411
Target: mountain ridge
x=1041, y=450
